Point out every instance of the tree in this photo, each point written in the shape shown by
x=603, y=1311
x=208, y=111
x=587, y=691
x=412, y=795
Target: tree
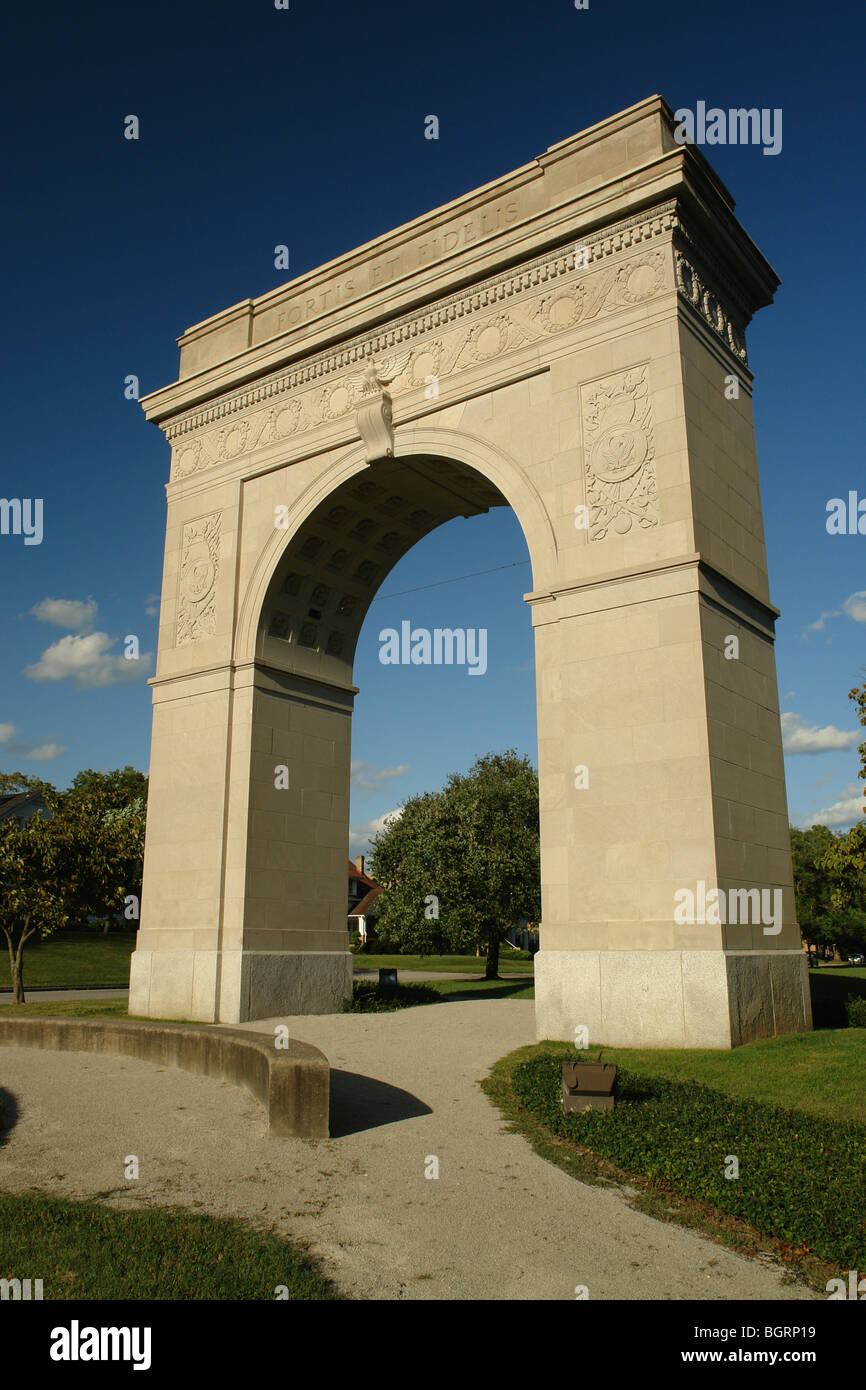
x=102, y=853
x=82, y=859
x=459, y=867
x=846, y=857
x=119, y=788
x=105, y=815
x=20, y=782
x=824, y=919
x=31, y=892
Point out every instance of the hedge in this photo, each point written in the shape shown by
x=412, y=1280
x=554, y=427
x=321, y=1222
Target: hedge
x=856, y=1010
x=801, y=1178
x=369, y=997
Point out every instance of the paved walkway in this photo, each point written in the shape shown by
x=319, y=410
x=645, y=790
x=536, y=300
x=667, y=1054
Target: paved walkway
x=498, y=1223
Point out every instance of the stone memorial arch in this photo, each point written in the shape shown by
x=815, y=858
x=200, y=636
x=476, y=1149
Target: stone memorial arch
x=567, y=341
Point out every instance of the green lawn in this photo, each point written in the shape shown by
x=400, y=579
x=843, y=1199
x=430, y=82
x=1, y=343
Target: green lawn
x=790, y=1109
x=116, y=1008
x=510, y=963
x=74, y=960
x=483, y=989
x=821, y=1073
x=86, y=1250
x=85, y=960
x=67, y=1008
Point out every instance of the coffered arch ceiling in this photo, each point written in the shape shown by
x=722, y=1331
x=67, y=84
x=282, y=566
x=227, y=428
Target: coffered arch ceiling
x=334, y=565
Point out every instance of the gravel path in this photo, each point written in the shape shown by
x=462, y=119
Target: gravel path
x=498, y=1223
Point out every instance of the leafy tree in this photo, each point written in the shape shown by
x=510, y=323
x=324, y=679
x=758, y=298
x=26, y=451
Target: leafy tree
x=82, y=859
x=31, y=896
x=20, y=782
x=119, y=788
x=103, y=853
x=824, y=919
x=461, y=866
x=846, y=857
x=105, y=816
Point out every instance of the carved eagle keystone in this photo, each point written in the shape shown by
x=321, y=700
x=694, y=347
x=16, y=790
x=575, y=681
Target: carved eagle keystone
x=377, y=375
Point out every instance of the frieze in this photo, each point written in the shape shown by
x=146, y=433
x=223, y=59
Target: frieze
x=576, y=284
x=515, y=323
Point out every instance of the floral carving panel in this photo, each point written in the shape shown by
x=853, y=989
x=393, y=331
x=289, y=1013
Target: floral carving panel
x=619, y=454
x=199, y=569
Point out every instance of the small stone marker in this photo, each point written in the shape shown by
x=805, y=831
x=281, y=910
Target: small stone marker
x=588, y=1086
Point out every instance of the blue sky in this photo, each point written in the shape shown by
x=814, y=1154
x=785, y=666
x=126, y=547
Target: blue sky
x=305, y=127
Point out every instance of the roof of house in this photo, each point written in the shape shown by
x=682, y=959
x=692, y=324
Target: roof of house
x=10, y=802
x=365, y=906
x=355, y=872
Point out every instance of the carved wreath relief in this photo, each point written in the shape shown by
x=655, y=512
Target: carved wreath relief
x=619, y=454
x=199, y=567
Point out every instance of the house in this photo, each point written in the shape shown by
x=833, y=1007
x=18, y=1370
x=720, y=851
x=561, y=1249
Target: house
x=360, y=883
x=20, y=806
x=363, y=892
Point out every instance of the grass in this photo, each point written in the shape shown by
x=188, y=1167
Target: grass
x=482, y=989
x=820, y=1073
x=88, y=960
x=67, y=1008
x=73, y=960
x=768, y=1071
x=86, y=1250
x=425, y=993
x=510, y=962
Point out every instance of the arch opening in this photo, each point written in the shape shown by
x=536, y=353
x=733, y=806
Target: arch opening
x=333, y=566
x=294, y=909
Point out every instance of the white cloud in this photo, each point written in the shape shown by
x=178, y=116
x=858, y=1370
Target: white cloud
x=855, y=606
x=846, y=810
x=44, y=753
x=818, y=625
x=6, y=732
x=76, y=614
x=370, y=778
x=151, y=605
x=361, y=835
x=87, y=662
x=800, y=737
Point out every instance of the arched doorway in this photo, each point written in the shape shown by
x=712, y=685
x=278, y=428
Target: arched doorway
x=323, y=580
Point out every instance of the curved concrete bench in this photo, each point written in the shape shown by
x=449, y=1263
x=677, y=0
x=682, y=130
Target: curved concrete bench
x=292, y=1084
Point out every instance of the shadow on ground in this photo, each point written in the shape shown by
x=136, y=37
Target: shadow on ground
x=8, y=1114
x=501, y=990
x=830, y=991
x=361, y=1102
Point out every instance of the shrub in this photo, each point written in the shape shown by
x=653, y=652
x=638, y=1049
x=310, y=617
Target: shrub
x=368, y=997
x=801, y=1178
x=855, y=1007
